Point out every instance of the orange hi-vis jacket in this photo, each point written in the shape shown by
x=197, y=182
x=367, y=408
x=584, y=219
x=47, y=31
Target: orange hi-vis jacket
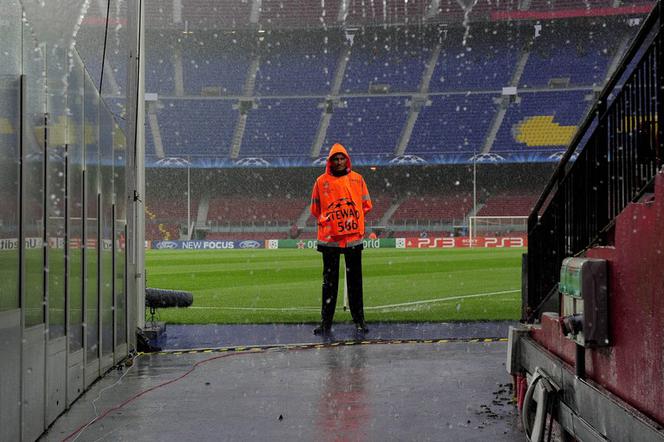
x=339, y=203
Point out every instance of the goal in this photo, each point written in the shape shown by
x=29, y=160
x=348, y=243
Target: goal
x=496, y=226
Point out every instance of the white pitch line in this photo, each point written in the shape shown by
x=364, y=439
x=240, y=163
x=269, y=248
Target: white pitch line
x=253, y=309
x=429, y=301
x=376, y=307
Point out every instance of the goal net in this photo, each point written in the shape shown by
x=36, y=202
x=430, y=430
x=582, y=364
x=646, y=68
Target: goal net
x=498, y=226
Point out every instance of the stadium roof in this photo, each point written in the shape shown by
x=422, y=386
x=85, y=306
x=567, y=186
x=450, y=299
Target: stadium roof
x=291, y=14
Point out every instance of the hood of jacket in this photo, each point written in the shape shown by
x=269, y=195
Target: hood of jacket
x=337, y=148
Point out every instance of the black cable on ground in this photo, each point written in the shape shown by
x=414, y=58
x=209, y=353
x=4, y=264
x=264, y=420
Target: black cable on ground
x=242, y=350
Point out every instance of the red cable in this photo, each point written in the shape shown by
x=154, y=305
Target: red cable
x=136, y=396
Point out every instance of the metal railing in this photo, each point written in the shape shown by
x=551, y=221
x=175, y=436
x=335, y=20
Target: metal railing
x=611, y=161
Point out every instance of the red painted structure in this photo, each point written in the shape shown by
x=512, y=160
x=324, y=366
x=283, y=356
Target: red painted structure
x=556, y=14
x=632, y=367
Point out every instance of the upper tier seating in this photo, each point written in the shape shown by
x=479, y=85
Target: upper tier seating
x=160, y=70
x=278, y=13
x=397, y=60
x=559, y=53
x=368, y=125
x=484, y=63
x=302, y=64
x=296, y=71
x=216, y=15
x=452, y=123
x=216, y=62
x=541, y=120
x=281, y=128
x=197, y=127
x=385, y=11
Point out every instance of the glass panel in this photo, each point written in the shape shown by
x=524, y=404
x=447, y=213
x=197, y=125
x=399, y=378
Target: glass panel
x=90, y=38
x=33, y=178
x=119, y=147
x=10, y=59
x=56, y=102
x=117, y=54
x=75, y=201
x=91, y=135
x=106, y=124
x=56, y=22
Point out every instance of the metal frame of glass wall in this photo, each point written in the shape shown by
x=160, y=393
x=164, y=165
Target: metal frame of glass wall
x=66, y=313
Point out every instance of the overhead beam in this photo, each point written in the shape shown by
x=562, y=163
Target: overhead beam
x=255, y=13
x=343, y=11
x=432, y=9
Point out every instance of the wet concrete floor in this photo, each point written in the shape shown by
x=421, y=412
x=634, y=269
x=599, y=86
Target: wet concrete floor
x=371, y=388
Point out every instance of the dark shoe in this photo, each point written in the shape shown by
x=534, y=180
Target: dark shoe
x=361, y=327
x=323, y=330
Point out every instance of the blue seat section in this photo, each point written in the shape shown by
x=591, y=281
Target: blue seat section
x=368, y=125
x=196, y=128
x=561, y=52
x=297, y=64
x=398, y=60
x=150, y=150
x=531, y=118
x=160, y=70
x=281, y=127
x=486, y=62
x=218, y=60
x=452, y=124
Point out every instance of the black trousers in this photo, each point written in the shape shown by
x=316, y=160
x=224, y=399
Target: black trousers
x=353, y=257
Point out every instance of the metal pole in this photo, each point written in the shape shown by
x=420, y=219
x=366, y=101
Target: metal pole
x=189, y=229
x=474, y=195
x=136, y=170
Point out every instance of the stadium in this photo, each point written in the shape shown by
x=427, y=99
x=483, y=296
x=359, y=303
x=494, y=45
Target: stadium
x=160, y=273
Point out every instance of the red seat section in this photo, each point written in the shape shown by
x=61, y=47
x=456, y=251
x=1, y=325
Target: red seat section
x=160, y=231
x=173, y=210
x=380, y=205
x=508, y=205
x=239, y=210
x=434, y=208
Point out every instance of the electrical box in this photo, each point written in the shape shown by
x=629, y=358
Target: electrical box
x=584, y=304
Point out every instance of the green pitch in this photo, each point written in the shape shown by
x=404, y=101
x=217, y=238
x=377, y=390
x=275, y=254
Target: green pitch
x=284, y=285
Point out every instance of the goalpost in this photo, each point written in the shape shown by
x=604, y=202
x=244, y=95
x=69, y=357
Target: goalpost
x=496, y=226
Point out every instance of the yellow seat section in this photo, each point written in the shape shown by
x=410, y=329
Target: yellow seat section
x=6, y=127
x=540, y=130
